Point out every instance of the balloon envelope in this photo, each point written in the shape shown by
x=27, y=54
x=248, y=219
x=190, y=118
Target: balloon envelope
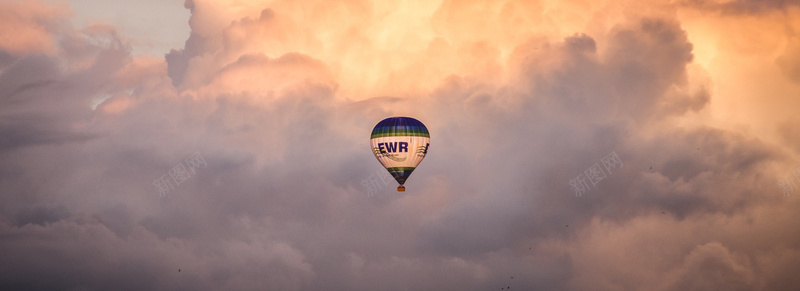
x=400, y=144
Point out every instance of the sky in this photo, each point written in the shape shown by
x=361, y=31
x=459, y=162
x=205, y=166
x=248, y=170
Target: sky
x=575, y=145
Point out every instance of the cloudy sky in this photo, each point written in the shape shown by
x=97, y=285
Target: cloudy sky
x=575, y=145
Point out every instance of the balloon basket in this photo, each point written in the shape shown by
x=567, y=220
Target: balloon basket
x=401, y=188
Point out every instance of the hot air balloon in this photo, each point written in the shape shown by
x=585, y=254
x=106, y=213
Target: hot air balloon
x=400, y=143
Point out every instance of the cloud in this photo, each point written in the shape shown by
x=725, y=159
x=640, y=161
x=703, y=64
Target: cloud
x=30, y=26
x=96, y=258
x=712, y=266
x=743, y=6
x=789, y=61
x=240, y=159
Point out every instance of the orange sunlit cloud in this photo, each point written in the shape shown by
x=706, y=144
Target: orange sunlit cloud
x=29, y=26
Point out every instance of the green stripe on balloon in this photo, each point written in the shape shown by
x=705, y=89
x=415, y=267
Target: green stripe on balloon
x=400, y=173
x=385, y=133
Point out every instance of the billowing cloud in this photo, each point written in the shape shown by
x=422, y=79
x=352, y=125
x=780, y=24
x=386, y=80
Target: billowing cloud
x=575, y=145
x=29, y=26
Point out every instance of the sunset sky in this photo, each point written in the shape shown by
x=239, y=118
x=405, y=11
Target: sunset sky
x=575, y=145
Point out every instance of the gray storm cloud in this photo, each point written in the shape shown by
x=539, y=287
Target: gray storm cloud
x=277, y=200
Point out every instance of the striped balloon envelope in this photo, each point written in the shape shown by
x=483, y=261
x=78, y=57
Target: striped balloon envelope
x=400, y=144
